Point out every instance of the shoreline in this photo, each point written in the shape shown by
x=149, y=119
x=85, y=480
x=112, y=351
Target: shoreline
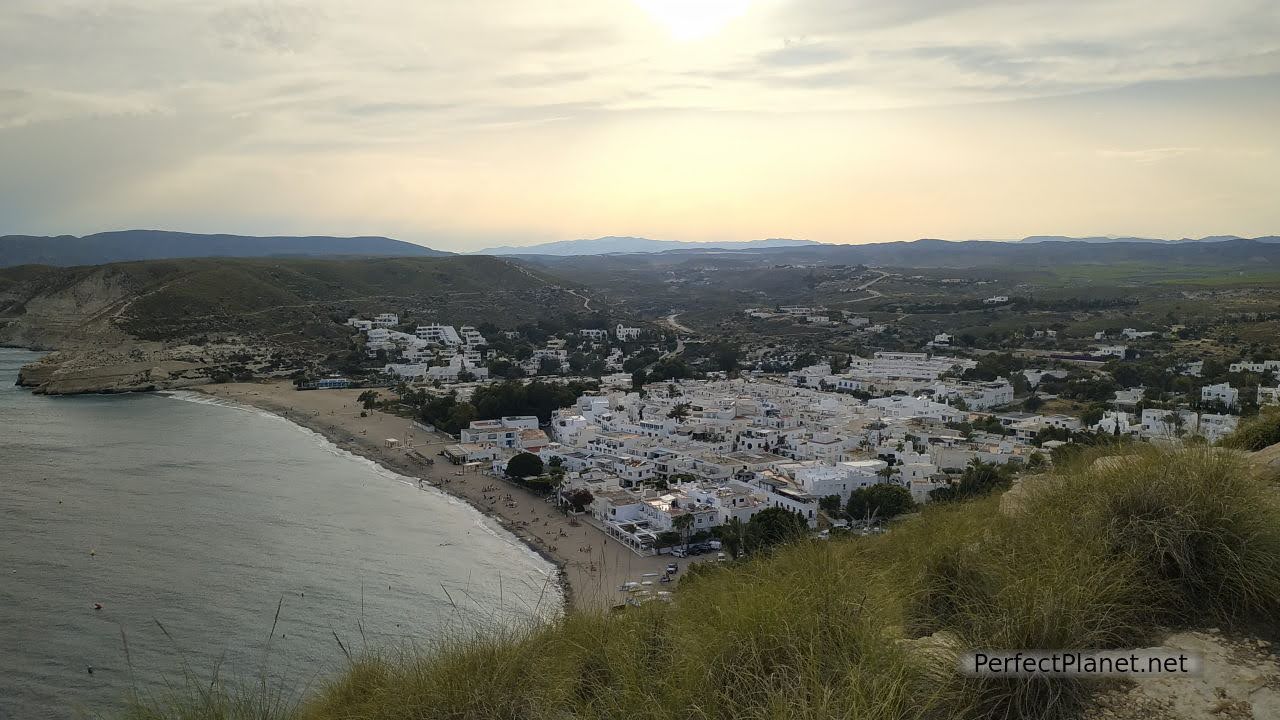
x=589, y=564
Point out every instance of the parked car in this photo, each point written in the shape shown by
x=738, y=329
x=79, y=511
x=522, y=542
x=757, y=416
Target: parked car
x=673, y=568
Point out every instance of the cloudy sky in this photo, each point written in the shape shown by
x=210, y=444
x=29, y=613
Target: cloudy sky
x=461, y=124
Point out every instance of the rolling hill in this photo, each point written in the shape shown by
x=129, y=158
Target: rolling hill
x=124, y=326
x=127, y=245
x=609, y=245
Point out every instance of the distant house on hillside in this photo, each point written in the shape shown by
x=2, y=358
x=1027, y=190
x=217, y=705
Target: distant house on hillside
x=628, y=333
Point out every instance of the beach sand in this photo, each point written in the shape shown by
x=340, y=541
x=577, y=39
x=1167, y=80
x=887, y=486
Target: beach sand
x=592, y=564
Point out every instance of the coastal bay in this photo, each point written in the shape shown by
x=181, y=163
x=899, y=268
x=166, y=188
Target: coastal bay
x=190, y=522
x=592, y=564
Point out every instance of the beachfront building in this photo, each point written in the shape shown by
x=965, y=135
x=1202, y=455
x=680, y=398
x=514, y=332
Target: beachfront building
x=504, y=433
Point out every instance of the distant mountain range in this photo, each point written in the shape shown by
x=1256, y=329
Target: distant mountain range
x=609, y=245
x=108, y=247
x=130, y=245
x=1108, y=239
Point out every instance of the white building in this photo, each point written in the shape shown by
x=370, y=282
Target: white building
x=501, y=433
x=455, y=370
x=1116, y=351
x=997, y=300
x=1116, y=423
x=1221, y=393
x=626, y=334
x=471, y=336
x=1035, y=377
x=904, y=407
x=386, y=320
x=1256, y=367
x=1169, y=424
x=1214, y=427
x=439, y=334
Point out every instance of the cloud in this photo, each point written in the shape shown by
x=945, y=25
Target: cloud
x=235, y=90
x=1147, y=155
x=803, y=53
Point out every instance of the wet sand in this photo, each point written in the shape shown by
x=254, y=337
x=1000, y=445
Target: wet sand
x=592, y=564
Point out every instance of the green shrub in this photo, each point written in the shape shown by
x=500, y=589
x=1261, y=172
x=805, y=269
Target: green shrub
x=1256, y=433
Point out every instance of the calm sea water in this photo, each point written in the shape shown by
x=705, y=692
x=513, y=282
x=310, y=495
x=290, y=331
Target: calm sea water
x=200, y=517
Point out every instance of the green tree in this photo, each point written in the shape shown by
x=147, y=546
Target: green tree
x=774, y=526
x=579, y=499
x=733, y=536
x=831, y=506
x=881, y=502
x=460, y=416
x=978, y=478
x=368, y=399
x=524, y=465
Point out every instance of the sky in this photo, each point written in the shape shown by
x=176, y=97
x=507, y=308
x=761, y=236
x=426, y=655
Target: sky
x=462, y=125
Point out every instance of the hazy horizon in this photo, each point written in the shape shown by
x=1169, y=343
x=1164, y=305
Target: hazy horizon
x=460, y=127
x=513, y=244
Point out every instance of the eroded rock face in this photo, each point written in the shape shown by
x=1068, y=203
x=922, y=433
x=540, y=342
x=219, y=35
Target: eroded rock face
x=1241, y=680
x=125, y=377
x=1267, y=460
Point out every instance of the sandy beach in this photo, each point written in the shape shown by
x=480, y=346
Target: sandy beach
x=592, y=565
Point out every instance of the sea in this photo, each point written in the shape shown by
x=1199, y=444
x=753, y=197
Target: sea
x=152, y=542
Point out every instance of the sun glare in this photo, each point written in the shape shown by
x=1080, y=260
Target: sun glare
x=688, y=20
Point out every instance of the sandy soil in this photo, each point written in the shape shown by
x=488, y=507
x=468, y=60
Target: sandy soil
x=592, y=564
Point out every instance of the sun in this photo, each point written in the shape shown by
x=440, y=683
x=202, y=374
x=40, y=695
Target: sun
x=688, y=20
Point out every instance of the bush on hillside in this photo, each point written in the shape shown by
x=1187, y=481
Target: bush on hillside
x=880, y=502
x=1256, y=433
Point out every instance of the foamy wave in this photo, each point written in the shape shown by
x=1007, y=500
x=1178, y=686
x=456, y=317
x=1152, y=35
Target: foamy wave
x=199, y=398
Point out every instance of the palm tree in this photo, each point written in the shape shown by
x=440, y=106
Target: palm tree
x=682, y=524
x=887, y=472
x=733, y=535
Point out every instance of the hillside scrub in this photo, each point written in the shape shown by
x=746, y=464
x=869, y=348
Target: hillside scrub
x=1104, y=553
x=1256, y=433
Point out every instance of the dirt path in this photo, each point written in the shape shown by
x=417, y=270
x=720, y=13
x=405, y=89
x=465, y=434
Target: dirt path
x=671, y=320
